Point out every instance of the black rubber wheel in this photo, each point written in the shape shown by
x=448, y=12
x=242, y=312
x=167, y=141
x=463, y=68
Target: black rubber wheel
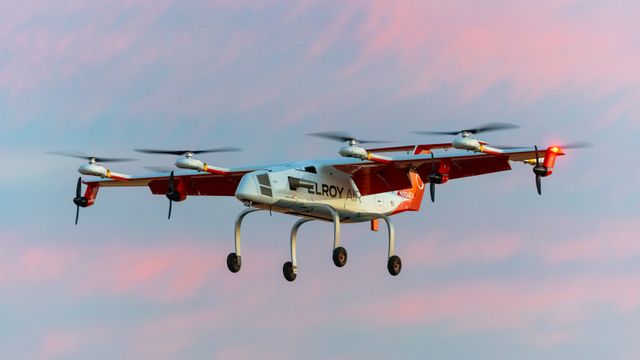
x=233, y=262
x=287, y=270
x=340, y=256
x=394, y=265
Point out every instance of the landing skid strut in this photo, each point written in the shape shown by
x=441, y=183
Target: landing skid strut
x=234, y=260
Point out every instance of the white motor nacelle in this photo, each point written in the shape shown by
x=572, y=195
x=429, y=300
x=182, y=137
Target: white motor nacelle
x=190, y=163
x=93, y=170
x=465, y=143
x=353, y=152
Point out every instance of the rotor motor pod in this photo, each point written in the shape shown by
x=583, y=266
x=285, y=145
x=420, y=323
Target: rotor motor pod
x=438, y=178
x=546, y=168
x=190, y=163
x=353, y=152
x=541, y=170
x=81, y=201
x=93, y=170
x=466, y=143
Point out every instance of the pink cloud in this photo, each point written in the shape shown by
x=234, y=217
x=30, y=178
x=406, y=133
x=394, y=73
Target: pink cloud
x=68, y=342
x=38, y=54
x=439, y=249
x=537, y=50
x=561, y=303
x=58, y=344
x=336, y=29
x=613, y=241
x=30, y=263
x=167, y=273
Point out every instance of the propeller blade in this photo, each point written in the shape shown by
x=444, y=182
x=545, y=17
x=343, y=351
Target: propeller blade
x=182, y=152
x=104, y=160
x=452, y=133
x=433, y=164
x=161, y=152
x=344, y=137
x=537, y=157
x=217, y=150
x=494, y=126
x=432, y=185
x=79, y=187
x=72, y=154
x=78, y=194
x=576, y=145
x=170, y=191
x=539, y=184
x=81, y=155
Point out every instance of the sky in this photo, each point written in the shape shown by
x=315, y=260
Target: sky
x=490, y=270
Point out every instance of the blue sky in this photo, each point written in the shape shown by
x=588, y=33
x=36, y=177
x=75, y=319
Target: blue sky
x=491, y=270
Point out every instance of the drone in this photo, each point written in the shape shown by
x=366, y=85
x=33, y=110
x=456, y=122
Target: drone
x=362, y=185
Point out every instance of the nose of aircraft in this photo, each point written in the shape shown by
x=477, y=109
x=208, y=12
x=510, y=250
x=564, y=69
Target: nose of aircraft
x=256, y=188
x=247, y=189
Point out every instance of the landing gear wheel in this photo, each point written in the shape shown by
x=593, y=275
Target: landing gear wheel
x=394, y=265
x=287, y=270
x=233, y=262
x=340, y=256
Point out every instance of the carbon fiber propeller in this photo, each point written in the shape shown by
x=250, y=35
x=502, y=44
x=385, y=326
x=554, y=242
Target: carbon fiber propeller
x=182, y=152
x=494, y=126
x=82, y=155
x=344, y=137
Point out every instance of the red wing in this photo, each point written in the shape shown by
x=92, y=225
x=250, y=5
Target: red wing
x=196, y=183
x=211, y=185
x=374, y=178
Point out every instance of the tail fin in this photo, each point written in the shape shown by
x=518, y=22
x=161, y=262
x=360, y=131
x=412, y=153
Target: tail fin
x=413, y=195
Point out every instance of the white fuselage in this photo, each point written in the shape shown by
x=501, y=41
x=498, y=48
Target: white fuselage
x=298, y=188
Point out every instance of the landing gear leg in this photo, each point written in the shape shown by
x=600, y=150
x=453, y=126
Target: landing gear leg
x=339, y=254
x=394, y=264
x=234, y=260
x=290, y=268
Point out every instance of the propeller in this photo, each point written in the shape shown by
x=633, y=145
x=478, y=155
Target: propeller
x=542, y=170
x=576, y=145
x=538, y=176
x=494, y=126
x=434, y=178
x=170, y=194
x=82, y=155
x=184, y=152
x=79, y=200
x=76, y=200
x=344, y=137
x=573, y=145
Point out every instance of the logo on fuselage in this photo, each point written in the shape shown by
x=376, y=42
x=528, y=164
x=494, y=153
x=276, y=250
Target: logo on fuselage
x=314, y=188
